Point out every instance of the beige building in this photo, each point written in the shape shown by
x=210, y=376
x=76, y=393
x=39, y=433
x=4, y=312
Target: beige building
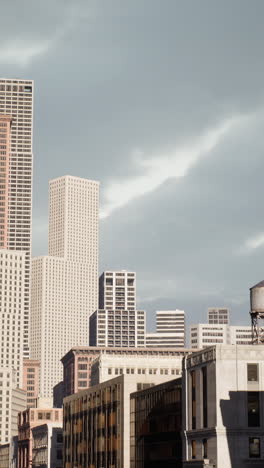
x=159, y=367
x=218, y=315
x=64, y=289
x=5, y=456
x=170, y=330
x=16, y=160
x=223, y=419
x=13, y=400
x=124, y=328
x=47, y=445
x=78, y=362
x=117, y=290
x=203, y=335
x=43, y=413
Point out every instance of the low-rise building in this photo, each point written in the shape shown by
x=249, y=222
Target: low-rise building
x=32, y=417
x=96, y=422
x=47, y=446
x=223, y=419
x=161, y=366
x=155, y=426
x=77, y=363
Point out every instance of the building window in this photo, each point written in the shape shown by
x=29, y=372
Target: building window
x=253, y=409
x=193, y=390
x=254, y=447
x=193, y=449
x=205, y=451
x=204, y=379
x=252, y=372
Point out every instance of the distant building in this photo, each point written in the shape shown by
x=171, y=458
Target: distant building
x=47, y=445
x=170, y=330
x=64, y=288
x=222, y=411
x=5, y=456
x=31, y=380
x=77, y=363
x=218, y=315
x=124, y=328
x=42, y=413
x=160, y=366
x=155, y=426
x=13, y=400
x=117, y=290
x=203, y=335
x=107, y=408
x=16, y=135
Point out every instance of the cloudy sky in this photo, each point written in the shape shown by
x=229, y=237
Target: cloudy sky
x=163, y=102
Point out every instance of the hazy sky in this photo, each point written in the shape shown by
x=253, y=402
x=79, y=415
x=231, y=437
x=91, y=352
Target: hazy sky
x=163, y=102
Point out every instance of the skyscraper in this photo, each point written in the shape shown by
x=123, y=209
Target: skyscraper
x=218, y=315
x=64, y=289
x=16, y=159
x=170, y=330
x=117, y=290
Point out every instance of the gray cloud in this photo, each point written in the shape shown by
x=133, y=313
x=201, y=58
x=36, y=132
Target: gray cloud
x=113, y=78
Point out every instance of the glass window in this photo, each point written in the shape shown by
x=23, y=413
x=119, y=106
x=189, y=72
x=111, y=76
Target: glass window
x=253, y=409
x=254, y=447
x=252, y=372
x=205, y=452
x=193, y=449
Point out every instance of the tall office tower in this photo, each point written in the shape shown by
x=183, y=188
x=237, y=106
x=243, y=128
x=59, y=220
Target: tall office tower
x=16, y=159
x=117, y=290
x=218, y=315
x=118, y=328
x=64, y=290
x=170, y=330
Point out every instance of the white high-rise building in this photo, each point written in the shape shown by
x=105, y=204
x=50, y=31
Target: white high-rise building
x=170, y=330
x=16, y=160
x=64, y=284
x=118, y=328
x=218, y=315
x=117, y=290
x=204, y=334
x=13, y=400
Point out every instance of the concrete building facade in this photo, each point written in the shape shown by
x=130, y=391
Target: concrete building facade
x=118, y=328
x=32, y=417
x=117, y=290
x=12, y=401
x=16, y=162
x=47, y=446
x=223, y=418
x=77, y=363
x=218, y=315
x=160, y=366
x=64, y=284
x=170, y=330
x=203, y=335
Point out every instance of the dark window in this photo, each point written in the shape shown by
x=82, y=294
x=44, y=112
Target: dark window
x=254, y=447
x=204, y=377
x=193, y=385
x=59, y=438
x=193, y=449
x=59, y=454
x=252, y=372
x=253, y=409
x=205, y=452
